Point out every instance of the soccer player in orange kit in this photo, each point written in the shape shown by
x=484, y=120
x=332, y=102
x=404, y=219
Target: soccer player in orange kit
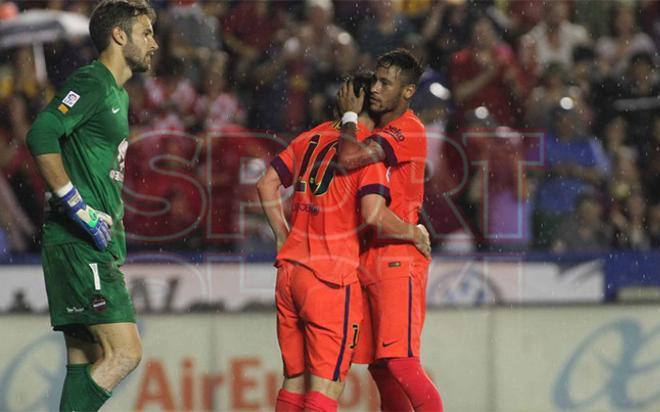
x=318, y=296
x=394, y=274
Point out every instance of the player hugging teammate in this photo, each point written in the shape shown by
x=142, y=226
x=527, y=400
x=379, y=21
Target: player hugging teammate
x=326, y=289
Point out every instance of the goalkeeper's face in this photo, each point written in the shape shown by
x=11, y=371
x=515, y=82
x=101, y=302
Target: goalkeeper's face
x=141, y=45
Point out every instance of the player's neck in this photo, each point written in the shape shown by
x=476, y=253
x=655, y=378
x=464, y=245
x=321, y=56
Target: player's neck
x=117, y=66
x=387, y=117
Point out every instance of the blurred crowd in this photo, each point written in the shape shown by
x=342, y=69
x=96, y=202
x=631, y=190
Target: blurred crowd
x=543, y=117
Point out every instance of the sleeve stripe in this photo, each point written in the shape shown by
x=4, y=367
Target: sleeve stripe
x=390, y=156
x=283, y=171
x=376, y=189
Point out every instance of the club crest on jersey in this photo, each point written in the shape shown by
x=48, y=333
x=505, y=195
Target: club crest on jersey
x=99, y=303
x=395, y=133
x=71, y=99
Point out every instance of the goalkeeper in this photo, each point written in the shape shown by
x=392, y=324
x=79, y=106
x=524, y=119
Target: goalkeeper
x=79, y=141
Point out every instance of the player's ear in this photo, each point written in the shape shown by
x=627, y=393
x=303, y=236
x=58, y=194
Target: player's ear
x=409, y=91
x=119, y=36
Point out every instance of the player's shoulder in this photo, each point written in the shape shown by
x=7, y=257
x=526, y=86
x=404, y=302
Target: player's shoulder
x=326, y=131
x=331, y=127
x=87, y=73
x=88, y=79
x=409, y=117
x=407, y=125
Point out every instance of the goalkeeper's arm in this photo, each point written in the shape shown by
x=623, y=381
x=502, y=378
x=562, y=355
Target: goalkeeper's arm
x=43, y=141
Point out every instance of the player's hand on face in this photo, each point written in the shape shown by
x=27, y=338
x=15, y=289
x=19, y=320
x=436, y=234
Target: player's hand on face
x=423, y=240
x=347, y=101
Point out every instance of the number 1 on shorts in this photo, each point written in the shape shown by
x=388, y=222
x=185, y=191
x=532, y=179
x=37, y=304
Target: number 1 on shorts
x=97, y=279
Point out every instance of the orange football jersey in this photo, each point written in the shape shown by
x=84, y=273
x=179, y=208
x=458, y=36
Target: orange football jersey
x=404, y=142
x=326, y=215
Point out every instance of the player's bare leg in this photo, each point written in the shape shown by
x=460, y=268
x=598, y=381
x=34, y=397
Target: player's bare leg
x=329, y=388
x=122, y=351
x=94, y=369
x=295, y=384
x=323, y=394
x=291, y=398
x=81, y=352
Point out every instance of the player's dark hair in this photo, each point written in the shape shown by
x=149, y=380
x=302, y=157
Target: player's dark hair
x=363, y=80
x=403, y=59
x=109, y=14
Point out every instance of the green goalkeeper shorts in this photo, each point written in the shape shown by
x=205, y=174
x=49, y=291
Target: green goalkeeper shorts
x=84, y=287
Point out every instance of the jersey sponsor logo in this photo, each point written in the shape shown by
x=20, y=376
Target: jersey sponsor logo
x=395, y=132
x=118, y=173
x=386, y=344
x=62, y=108
x=306, y=207
x=74, y=309
x=71, y=99
x=395, y=264
x=115, y=110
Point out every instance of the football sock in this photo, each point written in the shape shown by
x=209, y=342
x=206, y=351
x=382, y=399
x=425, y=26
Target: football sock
x=392, y=396
x=80, y=392
x=289, y=401
x=421, y=392
x=318, y=402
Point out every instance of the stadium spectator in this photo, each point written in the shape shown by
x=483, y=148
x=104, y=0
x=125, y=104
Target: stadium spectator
x=276, y=66
x=586, y=76
x=553, y=39
x=523, y=15
x=17, y=231
x=585, y=230
x=630, y=230
x=575, y=162
x=545, y=97
x=217, y=103
x=638, y=97
x=615, y=136
x=654, y=226
x=385, y=30
x=649, y=10
x=625, y=39
x=486, y=74
x=650, y=161
x=193, y=33
x=594, y=15
x=446, y=31
x=248, y=31
x=625, y=178
x=498, y=187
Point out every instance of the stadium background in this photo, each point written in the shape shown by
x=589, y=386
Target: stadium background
x=542, y=196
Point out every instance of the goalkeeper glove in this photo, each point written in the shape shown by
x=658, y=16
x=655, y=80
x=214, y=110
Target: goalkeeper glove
x=96, y=223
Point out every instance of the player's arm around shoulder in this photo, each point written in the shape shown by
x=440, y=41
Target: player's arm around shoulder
x=374, y=198
x=376, y=213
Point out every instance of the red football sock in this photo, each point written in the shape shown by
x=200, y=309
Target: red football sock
x=289, y=401
x=318, y=402
x=392, y=396
x=416, y=384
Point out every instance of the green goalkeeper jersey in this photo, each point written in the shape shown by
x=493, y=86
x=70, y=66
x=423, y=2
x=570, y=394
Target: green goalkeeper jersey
x=87, y=122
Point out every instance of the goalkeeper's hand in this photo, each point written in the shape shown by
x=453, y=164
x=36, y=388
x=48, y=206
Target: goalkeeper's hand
x=94, y=222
